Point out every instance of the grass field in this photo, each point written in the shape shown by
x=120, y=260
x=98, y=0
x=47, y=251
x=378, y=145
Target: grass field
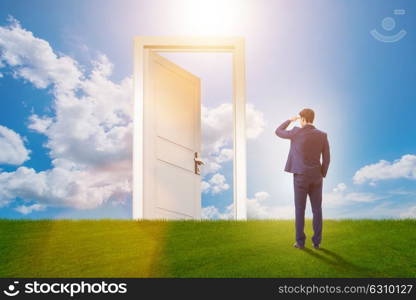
x=111, y=248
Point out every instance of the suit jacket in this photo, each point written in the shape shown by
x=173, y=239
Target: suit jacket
x=307, y=144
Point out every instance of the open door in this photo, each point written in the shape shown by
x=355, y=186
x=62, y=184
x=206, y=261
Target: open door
x=172, y=139
x=155, y=193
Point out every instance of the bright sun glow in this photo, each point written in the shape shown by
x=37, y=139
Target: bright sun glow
x=213, y=16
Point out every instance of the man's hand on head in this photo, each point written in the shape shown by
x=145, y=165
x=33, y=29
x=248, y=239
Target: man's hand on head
x=295, y=118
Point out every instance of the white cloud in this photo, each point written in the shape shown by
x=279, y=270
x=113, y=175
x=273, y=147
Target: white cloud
x=257, y=208
x=377, y=210
x=362, y=197
x=409, y=213
x=339, y=196
x=215, y=185
x=34, y=60
x=27, y=209
x=225, y=155
x=217, y=136
x=212, y=213
x=39, y=124
x=13, y=150
x=217, y=129
x=255, y=122
x=340, y=187
x=210, y=167
x=65, y=187
x=405, y=167
x=89, y=137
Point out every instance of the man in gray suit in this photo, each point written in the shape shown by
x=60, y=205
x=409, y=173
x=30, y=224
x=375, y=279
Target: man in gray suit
x=307, y=145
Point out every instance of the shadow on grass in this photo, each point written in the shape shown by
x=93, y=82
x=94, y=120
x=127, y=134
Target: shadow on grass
x=338, y=261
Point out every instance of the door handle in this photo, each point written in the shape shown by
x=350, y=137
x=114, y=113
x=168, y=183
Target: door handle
x=198, y=162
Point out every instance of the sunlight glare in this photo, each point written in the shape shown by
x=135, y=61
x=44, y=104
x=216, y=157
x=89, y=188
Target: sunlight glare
x=215, y=17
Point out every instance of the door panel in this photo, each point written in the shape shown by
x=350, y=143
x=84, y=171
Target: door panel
x=174, y=186
x=172, y=136
x=175, y=106
x=175, y=154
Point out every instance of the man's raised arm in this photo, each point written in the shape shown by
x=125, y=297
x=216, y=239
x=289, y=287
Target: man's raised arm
x=281, y=130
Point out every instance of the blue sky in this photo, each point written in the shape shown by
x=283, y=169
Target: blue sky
x=298, y=54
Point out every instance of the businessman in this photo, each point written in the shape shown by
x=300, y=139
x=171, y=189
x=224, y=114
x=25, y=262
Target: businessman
x=307, y=145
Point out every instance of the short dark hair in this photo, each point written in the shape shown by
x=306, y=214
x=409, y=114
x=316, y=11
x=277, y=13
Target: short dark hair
x=308, y=114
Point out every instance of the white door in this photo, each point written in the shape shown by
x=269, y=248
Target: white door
x=172, y=141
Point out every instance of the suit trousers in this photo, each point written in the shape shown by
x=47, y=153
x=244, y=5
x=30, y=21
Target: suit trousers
x=305, y=185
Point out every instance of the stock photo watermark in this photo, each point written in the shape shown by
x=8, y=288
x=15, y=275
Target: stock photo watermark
x=12, y=290
x=71, y=289
x=389, y=24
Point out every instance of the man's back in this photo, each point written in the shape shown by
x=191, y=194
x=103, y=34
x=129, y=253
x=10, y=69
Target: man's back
x=307, y=144
x=306, y=147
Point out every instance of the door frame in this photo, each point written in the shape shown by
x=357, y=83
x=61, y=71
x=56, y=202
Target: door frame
x=234, y=45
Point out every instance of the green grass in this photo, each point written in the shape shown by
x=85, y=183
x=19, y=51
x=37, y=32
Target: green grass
x=112, y=248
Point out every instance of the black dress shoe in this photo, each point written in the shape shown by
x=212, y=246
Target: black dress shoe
x=316, y=246
x=296, y=245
